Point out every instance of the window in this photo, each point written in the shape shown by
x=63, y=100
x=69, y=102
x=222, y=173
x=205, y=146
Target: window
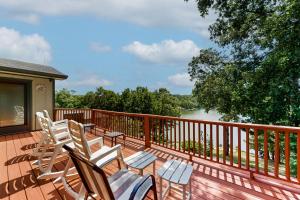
x=12, y=104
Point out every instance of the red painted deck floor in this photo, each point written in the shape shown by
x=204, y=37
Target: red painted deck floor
x=209, y=180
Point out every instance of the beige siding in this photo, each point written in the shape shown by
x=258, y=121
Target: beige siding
x=42, y=94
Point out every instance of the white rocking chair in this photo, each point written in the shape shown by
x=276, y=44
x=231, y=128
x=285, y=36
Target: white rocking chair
x=50, y=148
x=59, y=128
x=60, y=125
x=102, y=157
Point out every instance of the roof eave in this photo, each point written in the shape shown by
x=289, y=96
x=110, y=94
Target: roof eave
x=29, y=72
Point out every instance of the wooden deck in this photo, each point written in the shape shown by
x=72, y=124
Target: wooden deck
x=209, y=180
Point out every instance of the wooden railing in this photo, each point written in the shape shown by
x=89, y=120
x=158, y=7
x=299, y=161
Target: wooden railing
x=262, y=149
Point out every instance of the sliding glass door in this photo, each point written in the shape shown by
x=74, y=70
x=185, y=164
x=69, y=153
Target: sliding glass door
x=12, y=104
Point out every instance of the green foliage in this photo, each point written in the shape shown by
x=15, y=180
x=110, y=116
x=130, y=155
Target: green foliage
x=185, y=145
x=67, y=99
x=165, y=103
x=187, y=102
x=140, y=100
x=106, y=99
x=137, y=101
x=255, y=71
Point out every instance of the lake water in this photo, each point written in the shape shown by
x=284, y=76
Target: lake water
x=213, y=116
x=201, y=114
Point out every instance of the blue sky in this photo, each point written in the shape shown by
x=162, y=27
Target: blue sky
x=111, y=43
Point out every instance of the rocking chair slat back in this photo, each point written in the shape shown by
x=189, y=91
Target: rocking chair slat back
x=79, y=139
x=93, y=177
x=44, y=123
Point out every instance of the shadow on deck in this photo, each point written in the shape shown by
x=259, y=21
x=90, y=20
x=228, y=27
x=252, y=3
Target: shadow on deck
x=209, y=180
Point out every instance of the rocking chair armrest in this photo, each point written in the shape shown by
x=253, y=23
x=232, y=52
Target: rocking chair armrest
x=68, y=141
x=60, y=123
x=98, y=155
x=142, y=188
x=95, y=141
x=62, y=135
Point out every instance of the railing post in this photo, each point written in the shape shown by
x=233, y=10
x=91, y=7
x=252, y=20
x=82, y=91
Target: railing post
x=298, y=156
x=147, y=132
x=54, y=114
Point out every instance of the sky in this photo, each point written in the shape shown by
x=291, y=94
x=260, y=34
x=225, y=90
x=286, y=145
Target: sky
x=116, y=44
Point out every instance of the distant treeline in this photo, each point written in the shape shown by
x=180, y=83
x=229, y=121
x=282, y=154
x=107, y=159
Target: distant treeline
x=139, y=100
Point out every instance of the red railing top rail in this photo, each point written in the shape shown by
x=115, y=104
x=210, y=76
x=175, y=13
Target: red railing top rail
x=235, y=124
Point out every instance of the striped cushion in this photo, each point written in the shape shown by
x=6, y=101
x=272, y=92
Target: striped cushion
x=122, y=183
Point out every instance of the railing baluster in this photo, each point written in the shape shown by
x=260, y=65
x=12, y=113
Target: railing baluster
x=189, y=138
x=132, y=126
x=167, y=133
x=199, y=139
x=217, y=142
x=224, y=144
x=204, y=149
x=175, y=134
x=126, y=121
x=239, y=147
x=287, y=155
x=231, y=145
x=266, y=151
x=170, y=136
x=194, y=142
x=179, y=134
x=163, y=131
x=298, y=156
x=256, y=150
x=184, y=149
x=210, y=142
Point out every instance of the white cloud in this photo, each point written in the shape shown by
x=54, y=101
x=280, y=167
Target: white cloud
x=154, y=13
x=90, y=81
x=99, y=48
x=28, y=18
x=165, y=52
x=32, y=48
x=181, y=80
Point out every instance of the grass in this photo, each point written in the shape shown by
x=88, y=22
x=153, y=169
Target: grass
x=243, y=159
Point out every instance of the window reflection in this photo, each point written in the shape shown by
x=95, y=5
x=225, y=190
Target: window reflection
x=12, y=98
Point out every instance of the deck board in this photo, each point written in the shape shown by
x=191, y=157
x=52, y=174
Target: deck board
x=15, y=184
x=29, y=179
x=18, y=177
x=47, y=187
x=3, y=170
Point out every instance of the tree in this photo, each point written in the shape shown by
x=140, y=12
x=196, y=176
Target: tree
x=67, y=99
x=165, y=103
x=106, y=99
x=139, y=100
x=187, y=102
x=255, y=71
x=88, y=100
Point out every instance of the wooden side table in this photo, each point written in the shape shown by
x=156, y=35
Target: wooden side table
x=176, y=172
x=140, y=160
x=113, y=136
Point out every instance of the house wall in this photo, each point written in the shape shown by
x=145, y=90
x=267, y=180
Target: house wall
x=41, y=97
